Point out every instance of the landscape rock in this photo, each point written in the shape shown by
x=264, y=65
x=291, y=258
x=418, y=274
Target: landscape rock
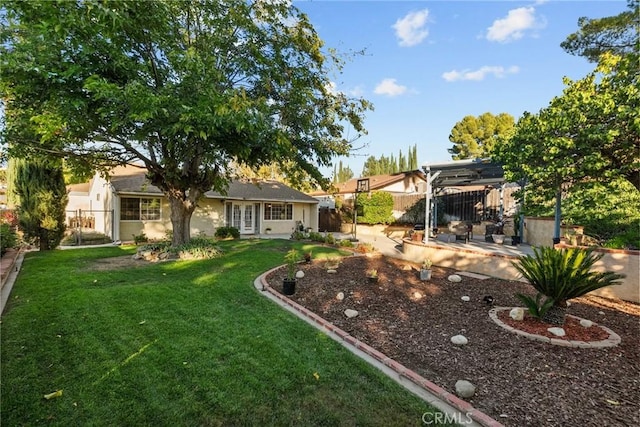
x=459, y=340
x=465, y=298
x=559, y=332
x=407, y=267
x=350, y=313
x=331, y=271
x=299, y=274
x=586, y=323
x=340, y=296
x=465, y=389
x=517, y=313
x=417, y=295
x=454, y=278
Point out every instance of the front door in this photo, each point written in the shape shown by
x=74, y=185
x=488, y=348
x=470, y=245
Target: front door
x=242, y=218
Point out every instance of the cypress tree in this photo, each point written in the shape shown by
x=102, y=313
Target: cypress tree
x=39, y=184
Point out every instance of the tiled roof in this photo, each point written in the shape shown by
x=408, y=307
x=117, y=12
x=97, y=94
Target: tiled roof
x=133, y=181
x=376, y=182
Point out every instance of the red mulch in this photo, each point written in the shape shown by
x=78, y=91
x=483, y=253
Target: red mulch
x=519, y=382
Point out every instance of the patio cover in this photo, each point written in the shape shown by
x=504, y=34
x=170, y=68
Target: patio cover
x=461, y=173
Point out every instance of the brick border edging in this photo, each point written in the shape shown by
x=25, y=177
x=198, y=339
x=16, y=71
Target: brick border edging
x=7, y=264
x=403, y=372
x=613, y=340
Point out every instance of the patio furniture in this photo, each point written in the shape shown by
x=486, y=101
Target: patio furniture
x=461, y=231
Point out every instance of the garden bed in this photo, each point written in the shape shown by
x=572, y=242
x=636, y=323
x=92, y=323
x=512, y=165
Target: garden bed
x=518, y=381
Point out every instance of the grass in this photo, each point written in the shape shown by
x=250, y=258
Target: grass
x=178, y=343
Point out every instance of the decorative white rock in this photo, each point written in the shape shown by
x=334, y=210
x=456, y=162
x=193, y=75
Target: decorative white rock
x=454, y=278
x=417, y=295
x=459, y=340
x=350, y=313
x=465, y=389
x=465, y=298
x=299, y=274
x=331, y=271
x=586, y=323
x=340, y=296
x=559, y=332
x=517, y=313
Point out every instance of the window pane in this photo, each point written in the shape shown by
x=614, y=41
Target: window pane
x=129, y=209
x=150, y=209
x=289, y=211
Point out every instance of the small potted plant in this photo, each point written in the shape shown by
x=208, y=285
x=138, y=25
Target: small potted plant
x=289, y=282
x=372, y=276
x=515, y=239
x=267, y=230
x=425, y=269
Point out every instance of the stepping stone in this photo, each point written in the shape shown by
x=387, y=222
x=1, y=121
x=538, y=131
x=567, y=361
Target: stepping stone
x=474, y=275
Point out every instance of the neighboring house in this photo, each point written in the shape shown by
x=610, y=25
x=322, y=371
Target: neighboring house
x=401, y=185
x=126, y=204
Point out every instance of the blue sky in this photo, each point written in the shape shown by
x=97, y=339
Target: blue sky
x=427, y=64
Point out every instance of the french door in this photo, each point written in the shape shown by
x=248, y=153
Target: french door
x=244, y=217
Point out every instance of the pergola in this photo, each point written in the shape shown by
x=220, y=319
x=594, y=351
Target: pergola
x=459, y=173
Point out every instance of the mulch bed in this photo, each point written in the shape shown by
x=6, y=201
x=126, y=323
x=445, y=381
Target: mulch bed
x=519, y=382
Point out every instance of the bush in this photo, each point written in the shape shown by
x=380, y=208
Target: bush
x=561, y=275
x=345, y=243
x=297, y=235
x=227, y=233
x=140, y=238
x=330, y=239
x=316, y=237
x=375, y=208
x=8, y=237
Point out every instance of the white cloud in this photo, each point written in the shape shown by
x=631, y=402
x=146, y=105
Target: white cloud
x=389, y=87
x=411, y=29
x=514, y=25
x=480, y=73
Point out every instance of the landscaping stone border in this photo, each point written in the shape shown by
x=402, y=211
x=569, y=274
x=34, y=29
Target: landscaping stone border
x=613, y=340
x=430, y=392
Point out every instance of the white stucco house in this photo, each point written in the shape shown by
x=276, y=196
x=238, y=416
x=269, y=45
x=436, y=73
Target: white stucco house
x=126, y=204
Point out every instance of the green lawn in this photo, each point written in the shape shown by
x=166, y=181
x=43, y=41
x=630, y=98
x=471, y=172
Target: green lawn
x=178, y=343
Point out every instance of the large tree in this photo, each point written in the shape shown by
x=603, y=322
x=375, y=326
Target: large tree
x=42, y=199
x=590, y=133
x=184, y=88
x=614, y=34
x=476, y=137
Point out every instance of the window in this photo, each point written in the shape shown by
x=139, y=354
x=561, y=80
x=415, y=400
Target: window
x=275, y=211
x=137, y=209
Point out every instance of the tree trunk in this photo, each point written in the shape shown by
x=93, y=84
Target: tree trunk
x=182, y=208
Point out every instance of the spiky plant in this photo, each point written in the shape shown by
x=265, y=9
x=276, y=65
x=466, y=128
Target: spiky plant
x=563, y=274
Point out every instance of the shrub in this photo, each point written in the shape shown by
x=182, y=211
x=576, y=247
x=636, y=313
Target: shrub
x=316, y=237
x=561, y=275
x=330, y=239
x=346, y=243
x=227, y=233
x=140, y=238
x=8, y=237
x=376, y=208
x=297, y=235
x=197, y=248
x=365, y=248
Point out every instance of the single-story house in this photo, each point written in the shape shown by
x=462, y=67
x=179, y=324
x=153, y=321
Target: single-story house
x=126, y=204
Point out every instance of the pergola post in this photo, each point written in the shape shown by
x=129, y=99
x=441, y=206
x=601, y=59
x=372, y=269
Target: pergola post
x=427, y=208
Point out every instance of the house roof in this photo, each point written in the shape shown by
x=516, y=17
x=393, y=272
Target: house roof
x=132, y=180
x=376, y=182
x=79, y=188
x=462, y=173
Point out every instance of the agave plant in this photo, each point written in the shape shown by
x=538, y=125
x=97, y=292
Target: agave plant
x=561, y=275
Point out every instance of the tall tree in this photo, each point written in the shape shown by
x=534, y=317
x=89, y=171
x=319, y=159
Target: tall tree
x=183, y=87
x=42, y=194
x=342, y=173
x=413, y=157
x=613, y=34
x=475, y=137
x=590, y=133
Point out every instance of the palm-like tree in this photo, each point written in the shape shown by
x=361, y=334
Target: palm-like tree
x=561, y=275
